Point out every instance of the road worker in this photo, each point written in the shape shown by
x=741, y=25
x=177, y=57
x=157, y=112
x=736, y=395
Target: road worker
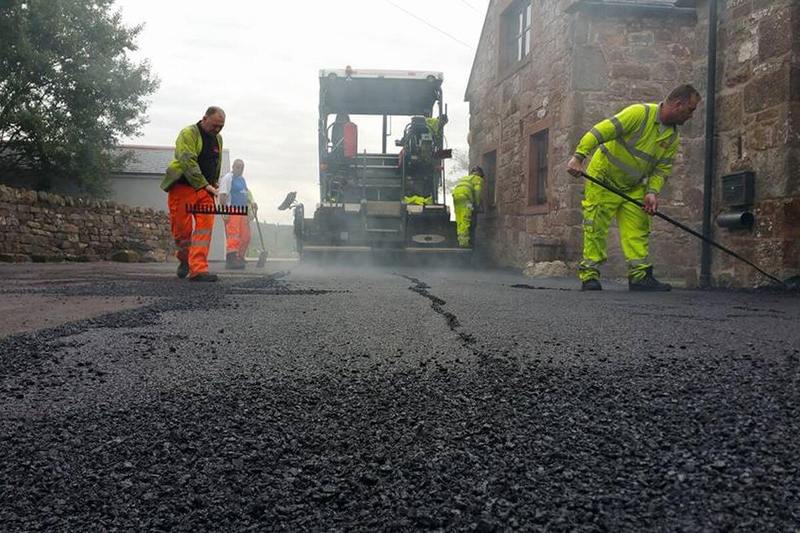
x=191, y=179
x=435, y=128
x=233, y=191
x=467, y=199
x=416, y=199
x=635, y=152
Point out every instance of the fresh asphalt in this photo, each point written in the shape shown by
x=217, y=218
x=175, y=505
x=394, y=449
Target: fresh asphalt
x=305, y=398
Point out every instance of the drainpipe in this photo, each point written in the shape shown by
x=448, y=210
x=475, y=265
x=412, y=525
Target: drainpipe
x=708, y=180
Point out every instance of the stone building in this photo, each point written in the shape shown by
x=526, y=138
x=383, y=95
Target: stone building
x=546, y=70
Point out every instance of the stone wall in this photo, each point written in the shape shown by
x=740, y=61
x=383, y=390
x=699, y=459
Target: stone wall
x=504, y=108
x=39, y=226
x=758, y=129
x=586, y=63
x=582, y=68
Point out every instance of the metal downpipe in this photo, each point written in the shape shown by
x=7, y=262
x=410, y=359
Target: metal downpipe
x=708, y=179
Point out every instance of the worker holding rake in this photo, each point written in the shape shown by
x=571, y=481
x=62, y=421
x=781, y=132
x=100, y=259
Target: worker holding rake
x=191, y=180
x=635, y=149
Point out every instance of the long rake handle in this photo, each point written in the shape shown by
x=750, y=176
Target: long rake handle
x=684, y=227
x=260, y=235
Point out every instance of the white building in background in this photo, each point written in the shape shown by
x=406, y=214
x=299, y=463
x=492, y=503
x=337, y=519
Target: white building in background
x=138, y=185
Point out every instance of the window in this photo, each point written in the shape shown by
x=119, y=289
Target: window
x=515, y=33
x=489, y=165
x=537, y=168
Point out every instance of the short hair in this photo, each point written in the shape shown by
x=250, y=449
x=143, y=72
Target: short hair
x=214, y=110
x=238, y=161
x=683, y=93
x=477, y=170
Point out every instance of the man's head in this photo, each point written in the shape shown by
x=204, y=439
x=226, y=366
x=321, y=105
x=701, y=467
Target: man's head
x=238, y=167
x=213, y=121
x=679, y=105
x=476, y=170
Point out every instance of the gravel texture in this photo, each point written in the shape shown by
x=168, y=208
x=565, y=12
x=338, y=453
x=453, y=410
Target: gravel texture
x=354, y=399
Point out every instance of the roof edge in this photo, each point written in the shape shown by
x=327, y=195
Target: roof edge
x=611, y=6
x=477, y=49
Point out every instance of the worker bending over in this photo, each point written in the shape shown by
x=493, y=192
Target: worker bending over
x=466, y=199
x=191, y=178
x=635, y=152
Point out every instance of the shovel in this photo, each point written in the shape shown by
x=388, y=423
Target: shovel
x=262, y=257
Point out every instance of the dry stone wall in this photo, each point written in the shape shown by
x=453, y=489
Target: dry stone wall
x=45, y=227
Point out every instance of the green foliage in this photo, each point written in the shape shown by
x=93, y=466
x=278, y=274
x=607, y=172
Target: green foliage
x=68, y=89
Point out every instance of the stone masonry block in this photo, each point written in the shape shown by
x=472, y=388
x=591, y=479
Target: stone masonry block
x=642, y=38
x=632, y=71
x=590, y=72
x=767, y=90
x=775, y=35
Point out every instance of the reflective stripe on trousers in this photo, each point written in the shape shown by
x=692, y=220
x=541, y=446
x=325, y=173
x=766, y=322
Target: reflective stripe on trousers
x=462, y=203
x=237, y=235
x=600, y=207
x=192, y=232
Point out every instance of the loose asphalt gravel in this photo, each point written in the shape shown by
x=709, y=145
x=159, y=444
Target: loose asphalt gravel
x=401, y=399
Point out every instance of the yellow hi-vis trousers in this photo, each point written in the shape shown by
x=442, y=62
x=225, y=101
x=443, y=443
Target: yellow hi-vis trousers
x=599, y=207
x=462, y=202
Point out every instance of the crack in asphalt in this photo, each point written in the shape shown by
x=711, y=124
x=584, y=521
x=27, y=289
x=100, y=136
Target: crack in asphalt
x=437, y=304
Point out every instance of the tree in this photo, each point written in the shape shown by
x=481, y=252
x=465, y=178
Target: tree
x=458, y=168
x=68, y=90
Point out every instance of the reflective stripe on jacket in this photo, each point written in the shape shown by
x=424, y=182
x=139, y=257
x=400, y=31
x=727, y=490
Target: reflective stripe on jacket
x=634, y=148
x=472, y=183
x=188, y=146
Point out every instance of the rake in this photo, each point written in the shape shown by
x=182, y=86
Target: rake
x=205, y=209
x=684, y=227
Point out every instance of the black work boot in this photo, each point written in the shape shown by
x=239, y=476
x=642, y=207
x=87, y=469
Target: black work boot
x=591, y=285
x=183, y=269
x=205, y=277
x=648, y=283
x=232, y=261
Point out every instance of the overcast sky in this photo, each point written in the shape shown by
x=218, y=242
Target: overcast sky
x=260, y=62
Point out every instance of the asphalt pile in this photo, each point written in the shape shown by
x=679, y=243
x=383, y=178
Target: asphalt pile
x=564, y=440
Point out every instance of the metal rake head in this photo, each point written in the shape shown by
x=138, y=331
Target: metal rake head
x=205, y=209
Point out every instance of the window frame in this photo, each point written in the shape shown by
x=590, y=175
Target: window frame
x=529, y=132
x=508, y=41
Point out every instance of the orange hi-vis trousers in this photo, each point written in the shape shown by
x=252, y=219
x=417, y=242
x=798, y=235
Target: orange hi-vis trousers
x=237, y=235
x=192, y=242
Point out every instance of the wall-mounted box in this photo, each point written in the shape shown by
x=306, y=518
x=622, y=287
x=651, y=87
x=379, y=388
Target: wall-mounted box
x=738, y=189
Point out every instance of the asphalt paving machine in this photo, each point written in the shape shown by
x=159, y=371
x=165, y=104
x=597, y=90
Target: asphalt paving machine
x=385, y=203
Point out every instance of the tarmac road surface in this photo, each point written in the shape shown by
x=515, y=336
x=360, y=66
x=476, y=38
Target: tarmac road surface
x=300, y=398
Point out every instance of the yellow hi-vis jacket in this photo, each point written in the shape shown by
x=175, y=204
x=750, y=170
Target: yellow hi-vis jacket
x=435, y=129
x=635, y=148
x=188, y=146
x=469, y=186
